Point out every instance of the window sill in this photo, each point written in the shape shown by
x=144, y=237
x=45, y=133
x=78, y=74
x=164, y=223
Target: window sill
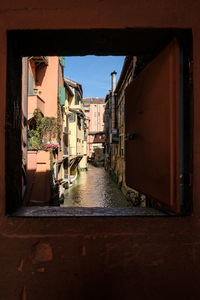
x=54, y=211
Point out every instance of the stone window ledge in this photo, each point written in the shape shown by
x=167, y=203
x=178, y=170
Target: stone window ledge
x=52, y=211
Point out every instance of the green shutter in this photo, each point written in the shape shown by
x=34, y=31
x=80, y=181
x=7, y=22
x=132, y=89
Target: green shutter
x=30, y=84
x=62, y=96
x=63, y=61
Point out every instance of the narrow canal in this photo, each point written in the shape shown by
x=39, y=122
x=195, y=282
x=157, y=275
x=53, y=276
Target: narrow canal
x=95, y=188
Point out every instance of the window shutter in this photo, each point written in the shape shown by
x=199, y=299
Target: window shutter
x=62, y=95
x=30, y=84
x=63, y=61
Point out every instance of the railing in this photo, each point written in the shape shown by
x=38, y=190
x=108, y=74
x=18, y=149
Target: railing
x=75, y=151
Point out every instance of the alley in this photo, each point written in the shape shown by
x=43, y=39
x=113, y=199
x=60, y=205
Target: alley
x=95, y=188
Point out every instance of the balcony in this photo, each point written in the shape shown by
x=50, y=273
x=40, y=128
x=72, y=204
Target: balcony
x=34, y=101
x=40, y=60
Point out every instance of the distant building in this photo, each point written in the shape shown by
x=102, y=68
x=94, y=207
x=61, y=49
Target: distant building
x=94, y=109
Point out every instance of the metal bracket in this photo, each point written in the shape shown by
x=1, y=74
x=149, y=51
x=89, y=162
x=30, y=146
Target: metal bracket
x=130, y=136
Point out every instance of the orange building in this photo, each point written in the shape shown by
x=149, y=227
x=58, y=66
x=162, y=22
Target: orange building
x=43, y=87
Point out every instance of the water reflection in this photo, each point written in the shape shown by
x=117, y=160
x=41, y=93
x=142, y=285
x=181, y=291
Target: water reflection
x=95, y=188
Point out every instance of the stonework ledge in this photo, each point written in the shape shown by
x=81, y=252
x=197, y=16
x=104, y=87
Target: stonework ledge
x=52, y=211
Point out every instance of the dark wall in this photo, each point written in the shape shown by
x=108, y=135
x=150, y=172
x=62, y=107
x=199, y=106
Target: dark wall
x=100, y=258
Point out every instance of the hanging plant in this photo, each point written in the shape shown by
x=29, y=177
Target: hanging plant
x=41, y=131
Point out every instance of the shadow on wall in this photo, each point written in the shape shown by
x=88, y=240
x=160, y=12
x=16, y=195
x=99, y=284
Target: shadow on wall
x=40, y=75
x=38, y=192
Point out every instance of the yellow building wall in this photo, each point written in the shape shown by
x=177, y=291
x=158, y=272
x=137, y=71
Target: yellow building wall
x=76, y=136
x=72, y=137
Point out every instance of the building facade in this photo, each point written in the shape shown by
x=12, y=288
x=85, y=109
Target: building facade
x=94, y=109
x=42, y=85
x=76, y=128
x=115, y=121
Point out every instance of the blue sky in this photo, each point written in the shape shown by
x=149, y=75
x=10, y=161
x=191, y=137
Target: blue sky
x=93, y=72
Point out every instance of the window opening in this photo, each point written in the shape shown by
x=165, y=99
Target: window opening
x=55, y=142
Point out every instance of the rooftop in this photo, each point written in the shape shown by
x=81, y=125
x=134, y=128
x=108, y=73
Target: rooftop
x=73, y=83
x=93, y=100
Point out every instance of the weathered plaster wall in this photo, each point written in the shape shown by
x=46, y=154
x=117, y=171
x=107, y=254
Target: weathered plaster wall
x=100, y=258
x=48, y=89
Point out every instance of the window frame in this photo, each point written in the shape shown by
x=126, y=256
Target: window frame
x=15, y=51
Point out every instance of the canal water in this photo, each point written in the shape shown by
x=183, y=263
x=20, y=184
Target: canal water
x=95, y=188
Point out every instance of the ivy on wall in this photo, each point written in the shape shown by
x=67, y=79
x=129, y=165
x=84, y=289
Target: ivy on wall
x=41, y=130
x=59, y=118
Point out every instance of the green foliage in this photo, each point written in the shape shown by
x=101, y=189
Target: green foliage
x=48, y=128
x=43, y=130
x=59, y=118
x=34, y=139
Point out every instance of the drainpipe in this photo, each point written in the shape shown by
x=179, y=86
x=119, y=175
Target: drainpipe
x=113, y=80
x=113, y=85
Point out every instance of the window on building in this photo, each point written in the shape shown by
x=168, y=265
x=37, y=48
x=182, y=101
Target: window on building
x=30, y=84
x=79, y=122
x=85, y=135
x=72, y=117
x=77, y=97
x=16, y=49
